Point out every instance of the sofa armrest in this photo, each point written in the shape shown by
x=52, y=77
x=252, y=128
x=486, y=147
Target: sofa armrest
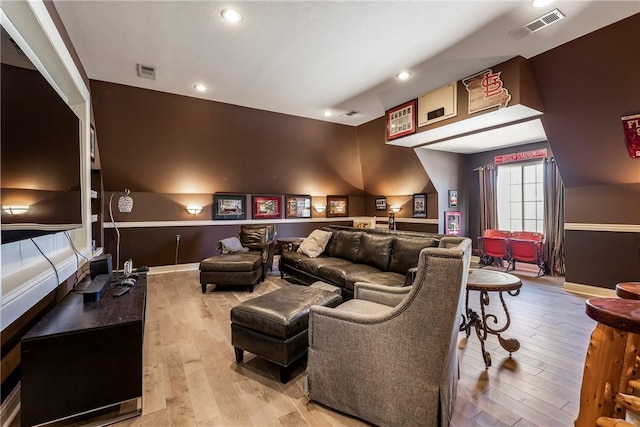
x=387, y=295
x=411, y=276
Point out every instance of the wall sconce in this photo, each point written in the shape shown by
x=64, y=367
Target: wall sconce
x=396, y=209
x=194, y=209
x=319, y=208
x=15, y=209
x=125, y=205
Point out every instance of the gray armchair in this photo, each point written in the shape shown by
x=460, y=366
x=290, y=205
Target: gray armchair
x=389, y=356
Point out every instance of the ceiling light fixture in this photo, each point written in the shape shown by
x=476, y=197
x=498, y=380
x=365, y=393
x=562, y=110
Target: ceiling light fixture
x=403, y=75
x=200, y=87
x=231, y=15
x=540, y=3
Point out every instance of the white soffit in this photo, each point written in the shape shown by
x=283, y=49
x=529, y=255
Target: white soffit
x=506, y=136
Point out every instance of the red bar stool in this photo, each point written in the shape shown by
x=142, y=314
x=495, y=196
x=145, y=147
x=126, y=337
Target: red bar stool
x=612, y=364
x=628, y=290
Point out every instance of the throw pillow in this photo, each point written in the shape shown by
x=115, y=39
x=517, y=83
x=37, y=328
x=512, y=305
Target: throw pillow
x=231, y=245
x=314, y=245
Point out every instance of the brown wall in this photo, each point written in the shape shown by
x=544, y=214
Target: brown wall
x=586, y=86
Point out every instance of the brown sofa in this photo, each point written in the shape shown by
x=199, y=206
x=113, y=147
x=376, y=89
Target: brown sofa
x=360, y=255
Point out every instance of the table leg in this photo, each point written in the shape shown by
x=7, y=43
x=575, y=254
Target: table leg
x=509, y=344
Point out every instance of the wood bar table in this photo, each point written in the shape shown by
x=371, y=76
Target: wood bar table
x=611, y=364
x=484, y=282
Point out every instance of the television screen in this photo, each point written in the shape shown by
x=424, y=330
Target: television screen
x=40, y=152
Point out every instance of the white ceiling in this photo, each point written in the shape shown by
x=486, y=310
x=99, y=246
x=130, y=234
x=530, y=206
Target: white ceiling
x=304, y=57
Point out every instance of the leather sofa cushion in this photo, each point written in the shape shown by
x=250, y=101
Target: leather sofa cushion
x=375, y=250
x=248, y=261
x=282, y=313
x=386, y=278
x=254, y=237
x=337, y=274
x=292, y=258
x=312, y=265
x=405, y=252
x=347, y=243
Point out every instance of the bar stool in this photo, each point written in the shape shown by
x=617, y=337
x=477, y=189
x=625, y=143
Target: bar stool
x=612, y=364
x=628, y=290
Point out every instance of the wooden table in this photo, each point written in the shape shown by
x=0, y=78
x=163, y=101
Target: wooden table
x=286, y=244
x=484, y=282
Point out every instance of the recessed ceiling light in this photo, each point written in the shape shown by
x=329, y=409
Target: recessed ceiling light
x=540, y=3
x=327, y=113
x=403, y=75
x=200, y=87
x=231, y=15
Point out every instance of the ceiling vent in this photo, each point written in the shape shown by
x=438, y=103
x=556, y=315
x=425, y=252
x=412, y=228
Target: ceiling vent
x=146, y=72
x=537, y=24
x=348, y=115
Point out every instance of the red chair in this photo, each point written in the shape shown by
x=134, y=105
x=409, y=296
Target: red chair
x=495, y=247
x=526, y=246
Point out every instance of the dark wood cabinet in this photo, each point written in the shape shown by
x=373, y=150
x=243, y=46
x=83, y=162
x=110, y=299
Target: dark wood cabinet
x=83, y=356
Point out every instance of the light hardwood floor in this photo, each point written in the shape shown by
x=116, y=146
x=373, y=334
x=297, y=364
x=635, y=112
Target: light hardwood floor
x=191, y=377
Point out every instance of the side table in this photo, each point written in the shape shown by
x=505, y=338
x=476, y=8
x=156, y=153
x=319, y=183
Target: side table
x=287, y=244
x=486, y=281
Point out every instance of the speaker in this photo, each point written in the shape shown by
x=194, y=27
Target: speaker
x=101, y=265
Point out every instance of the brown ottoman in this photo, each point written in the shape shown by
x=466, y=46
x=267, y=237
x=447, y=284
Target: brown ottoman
x=274, y=325
x=231, y=269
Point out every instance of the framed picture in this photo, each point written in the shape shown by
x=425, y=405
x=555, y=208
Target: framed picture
x=337, y=206
x=229, y=206
x=401, y=120
x=453, y=198
x=453, y=223
x=267, y=207
x=297, y=206
x=92, y=143
x=419, y=205
x=381, y=204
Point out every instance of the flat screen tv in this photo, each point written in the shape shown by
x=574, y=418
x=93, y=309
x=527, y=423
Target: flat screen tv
x=40, y=152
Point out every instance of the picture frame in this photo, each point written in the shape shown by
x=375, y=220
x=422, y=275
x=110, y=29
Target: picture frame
x=297, y=206
x=453, y=223
x=453, y=198
x=267, y=207
x=419, y=205
x=337, y=206
x=229, y=206
x=401, y=120
x=92, y=143
x=381, y=204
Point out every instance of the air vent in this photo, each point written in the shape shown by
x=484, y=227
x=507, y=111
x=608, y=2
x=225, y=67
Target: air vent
x=146, y=72
x=348, y=114
x=537, y=24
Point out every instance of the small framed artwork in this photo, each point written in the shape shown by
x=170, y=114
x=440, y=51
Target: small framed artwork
x=296, y=206
x=337, y=206
x=92, y=143
x=453, y=223
x=453, y=198
x=267, y=207
x=381, y=204
x=419, y=205
x=229, y=206
x=401, y=120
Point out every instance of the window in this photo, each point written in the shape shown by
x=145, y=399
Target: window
x=521, y=197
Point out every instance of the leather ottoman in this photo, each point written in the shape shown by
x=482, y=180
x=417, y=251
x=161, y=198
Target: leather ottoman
x=274, y=326
x=231, y=269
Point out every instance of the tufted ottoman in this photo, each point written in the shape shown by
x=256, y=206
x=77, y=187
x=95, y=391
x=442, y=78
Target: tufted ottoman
x=232, y=269
x=274, y=325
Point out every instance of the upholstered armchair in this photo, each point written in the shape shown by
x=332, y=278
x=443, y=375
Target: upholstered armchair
x=260, y=237
x=389, y=356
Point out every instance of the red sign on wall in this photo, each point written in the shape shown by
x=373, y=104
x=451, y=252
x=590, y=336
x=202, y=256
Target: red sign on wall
x=518, y=157
x=631, y=125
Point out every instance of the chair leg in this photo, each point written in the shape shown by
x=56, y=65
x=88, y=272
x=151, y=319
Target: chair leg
x=204, y=287
x=285, y=374
x=239, y=354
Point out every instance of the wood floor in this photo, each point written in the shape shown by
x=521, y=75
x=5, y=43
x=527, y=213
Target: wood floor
x=191, y=377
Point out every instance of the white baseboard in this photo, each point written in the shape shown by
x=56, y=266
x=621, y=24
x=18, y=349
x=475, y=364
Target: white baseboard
x=10, y=407
x=588, y=290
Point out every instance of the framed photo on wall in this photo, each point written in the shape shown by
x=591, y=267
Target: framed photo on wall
x=419, y=205
x=229, y=206
x=381, y=204
x=453, y=223
x=401, y=120
x=453, y=198
x=267, y=207
x=337, y=206
x=296, y=206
